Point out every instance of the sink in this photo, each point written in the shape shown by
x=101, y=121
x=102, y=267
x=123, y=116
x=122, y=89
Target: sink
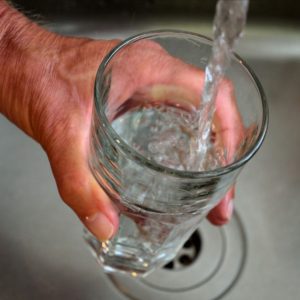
x=42, y=253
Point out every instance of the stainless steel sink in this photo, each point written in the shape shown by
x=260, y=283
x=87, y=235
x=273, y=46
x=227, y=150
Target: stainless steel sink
x=42, y=253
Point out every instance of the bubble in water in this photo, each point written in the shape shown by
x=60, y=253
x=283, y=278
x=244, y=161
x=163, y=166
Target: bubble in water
x=172, y=143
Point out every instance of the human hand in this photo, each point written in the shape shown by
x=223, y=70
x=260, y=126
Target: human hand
x=53, y=104
x=145, y=72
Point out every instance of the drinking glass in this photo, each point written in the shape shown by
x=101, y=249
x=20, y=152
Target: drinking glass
x=159, y=207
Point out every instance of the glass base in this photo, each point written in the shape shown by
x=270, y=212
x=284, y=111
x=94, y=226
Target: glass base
x=116, y=263
x=208, y=266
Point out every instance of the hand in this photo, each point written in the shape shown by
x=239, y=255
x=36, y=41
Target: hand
x=159, y=77
x=56, y=93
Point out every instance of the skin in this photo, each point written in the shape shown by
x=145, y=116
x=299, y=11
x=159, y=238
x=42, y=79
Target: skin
x=46, y=89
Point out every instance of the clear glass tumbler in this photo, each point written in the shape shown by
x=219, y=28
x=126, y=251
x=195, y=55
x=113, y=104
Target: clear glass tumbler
x=160, y=207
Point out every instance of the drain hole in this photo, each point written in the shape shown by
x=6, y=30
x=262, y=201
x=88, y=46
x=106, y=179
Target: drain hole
x=185, y=260
x=170, y=265
x=196, y=241
x=188, y=254
x=188, y=244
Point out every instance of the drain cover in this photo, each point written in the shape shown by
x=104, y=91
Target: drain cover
x=188, y=254
x=206, y=268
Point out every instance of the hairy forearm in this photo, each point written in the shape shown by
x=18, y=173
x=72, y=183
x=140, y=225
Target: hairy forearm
x=27, y=55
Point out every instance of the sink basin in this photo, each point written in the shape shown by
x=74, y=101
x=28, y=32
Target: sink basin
x=42, y=253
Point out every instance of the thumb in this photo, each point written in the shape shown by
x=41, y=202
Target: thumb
x=80, y=191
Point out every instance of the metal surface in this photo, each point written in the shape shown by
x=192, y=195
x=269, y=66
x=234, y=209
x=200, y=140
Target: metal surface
x=42, y=253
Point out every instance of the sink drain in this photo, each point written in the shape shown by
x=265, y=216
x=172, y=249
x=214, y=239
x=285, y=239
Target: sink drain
x=188, y=254
x=207, y=267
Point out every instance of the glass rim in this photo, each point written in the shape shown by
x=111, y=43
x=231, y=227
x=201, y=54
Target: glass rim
x=139, y=158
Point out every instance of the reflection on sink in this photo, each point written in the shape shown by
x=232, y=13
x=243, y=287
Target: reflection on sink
x=42, y=255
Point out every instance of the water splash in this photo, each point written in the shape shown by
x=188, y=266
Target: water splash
x=229, y=23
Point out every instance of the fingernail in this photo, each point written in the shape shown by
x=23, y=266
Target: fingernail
x=225, y=216
x=229, y=209
x=100, y=226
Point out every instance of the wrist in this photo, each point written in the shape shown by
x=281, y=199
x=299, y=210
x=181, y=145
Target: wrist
x=27, y=53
